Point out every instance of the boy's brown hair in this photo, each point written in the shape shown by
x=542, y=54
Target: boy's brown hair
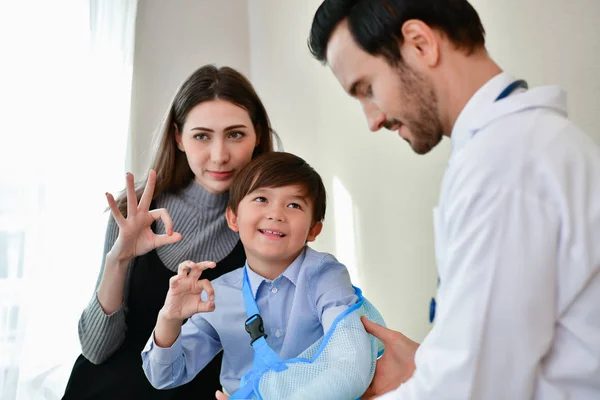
x=279, y=169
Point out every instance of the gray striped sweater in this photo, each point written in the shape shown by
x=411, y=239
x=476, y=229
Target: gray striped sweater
x=200, y=217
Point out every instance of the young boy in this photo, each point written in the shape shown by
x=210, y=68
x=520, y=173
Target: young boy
x=277, y=204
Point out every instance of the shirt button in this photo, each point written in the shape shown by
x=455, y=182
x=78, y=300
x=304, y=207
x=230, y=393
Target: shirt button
x=278, y=334
x=274, y=290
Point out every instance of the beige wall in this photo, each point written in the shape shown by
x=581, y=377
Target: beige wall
x=381, y=195
x=174, y=38
x=550, y=42
x=379, y=211
x=391, y=190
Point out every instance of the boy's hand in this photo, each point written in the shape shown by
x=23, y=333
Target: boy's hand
x=221, y=396
x=184, y=296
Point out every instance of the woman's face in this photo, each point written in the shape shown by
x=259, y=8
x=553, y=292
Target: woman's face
x=218, y=139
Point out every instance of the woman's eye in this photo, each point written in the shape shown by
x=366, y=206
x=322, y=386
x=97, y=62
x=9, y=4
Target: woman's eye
x=236, y=135
x=201, y=136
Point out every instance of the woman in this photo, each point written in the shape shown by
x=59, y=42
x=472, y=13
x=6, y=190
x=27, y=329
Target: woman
x=215, y=125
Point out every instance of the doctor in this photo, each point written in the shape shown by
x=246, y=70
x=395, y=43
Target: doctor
x=518, y=223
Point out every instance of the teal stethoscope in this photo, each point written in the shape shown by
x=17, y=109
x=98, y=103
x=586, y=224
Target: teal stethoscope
x=519, y=84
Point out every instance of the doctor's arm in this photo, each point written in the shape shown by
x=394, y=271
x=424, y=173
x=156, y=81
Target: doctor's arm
x=496, y=301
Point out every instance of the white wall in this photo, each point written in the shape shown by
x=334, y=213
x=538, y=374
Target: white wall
x=392, y=190
x=385, y=209
x=550, y=42
x=173, y=39
x=382, y=223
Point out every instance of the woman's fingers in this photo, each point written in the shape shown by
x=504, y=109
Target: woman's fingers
x=131, y=197
x=148, y=191
x=163, y=215
x=112, y=204
x=162, y=240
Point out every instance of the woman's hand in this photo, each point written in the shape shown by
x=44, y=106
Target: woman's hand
x=135, y=233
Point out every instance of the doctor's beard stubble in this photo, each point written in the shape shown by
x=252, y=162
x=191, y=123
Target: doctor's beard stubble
x=421, y=104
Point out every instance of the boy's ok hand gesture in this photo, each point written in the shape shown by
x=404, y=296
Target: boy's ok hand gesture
x=185, y=289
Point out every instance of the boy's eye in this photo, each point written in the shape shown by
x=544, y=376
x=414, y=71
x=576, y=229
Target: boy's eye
x=236, y=135
x=201, y=136
x=260, y=199
x=295, y=205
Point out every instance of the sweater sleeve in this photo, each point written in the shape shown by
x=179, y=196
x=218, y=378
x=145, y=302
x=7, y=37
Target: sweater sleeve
x=100, y=334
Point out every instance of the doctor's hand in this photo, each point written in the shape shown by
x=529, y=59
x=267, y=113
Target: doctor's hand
x=221, y=396
x=396, y=365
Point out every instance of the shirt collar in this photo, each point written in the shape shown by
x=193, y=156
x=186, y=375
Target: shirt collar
x=291, y=273
x=486, y=95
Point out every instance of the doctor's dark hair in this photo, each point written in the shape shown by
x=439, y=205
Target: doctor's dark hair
x=275, y=170
x=376, y=25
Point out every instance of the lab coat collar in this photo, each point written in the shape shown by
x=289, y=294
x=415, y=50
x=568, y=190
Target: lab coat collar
x=483, y=109
x=477, y=105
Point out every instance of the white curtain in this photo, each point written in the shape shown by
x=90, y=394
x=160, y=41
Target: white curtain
x=65, y=90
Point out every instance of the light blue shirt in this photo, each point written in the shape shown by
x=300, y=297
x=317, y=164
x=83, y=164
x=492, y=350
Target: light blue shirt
x=297, y=308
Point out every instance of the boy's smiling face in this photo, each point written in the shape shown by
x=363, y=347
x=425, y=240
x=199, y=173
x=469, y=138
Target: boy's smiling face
x=274, y=224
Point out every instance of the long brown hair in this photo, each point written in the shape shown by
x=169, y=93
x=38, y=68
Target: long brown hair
x=205, y=84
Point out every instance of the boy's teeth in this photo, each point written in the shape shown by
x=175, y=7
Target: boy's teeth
x=273, y=233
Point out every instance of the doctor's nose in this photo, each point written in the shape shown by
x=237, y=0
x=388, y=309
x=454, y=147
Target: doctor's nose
x=219, y=153
x=375, y=117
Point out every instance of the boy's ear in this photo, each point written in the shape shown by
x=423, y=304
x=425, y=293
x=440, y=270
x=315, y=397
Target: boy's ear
x=231, y=220
x=314, y=231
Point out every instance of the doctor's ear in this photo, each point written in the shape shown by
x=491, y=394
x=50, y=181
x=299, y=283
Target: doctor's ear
x=421, y=43
x=231, y=219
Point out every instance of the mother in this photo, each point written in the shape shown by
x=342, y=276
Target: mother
x=215, y=125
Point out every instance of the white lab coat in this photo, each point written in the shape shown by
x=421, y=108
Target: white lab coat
x=517, y=237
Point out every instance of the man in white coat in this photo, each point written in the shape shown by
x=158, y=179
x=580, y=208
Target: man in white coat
x=517, y=229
